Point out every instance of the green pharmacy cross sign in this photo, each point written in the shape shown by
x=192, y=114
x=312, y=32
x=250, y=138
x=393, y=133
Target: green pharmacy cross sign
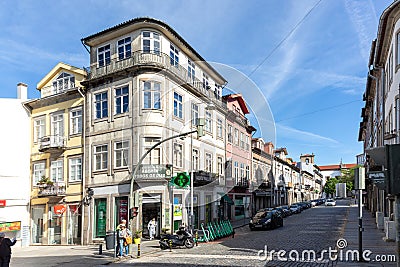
x=182, y=179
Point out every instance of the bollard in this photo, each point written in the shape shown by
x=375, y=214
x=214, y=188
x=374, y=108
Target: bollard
x=170, y=245
x=233, y=234
x=138, y=250
x=197, y=238
x=100, y=249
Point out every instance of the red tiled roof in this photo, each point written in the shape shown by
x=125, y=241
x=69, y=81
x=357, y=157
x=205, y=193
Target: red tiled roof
x=337, y=166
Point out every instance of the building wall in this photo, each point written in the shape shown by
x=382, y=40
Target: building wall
x=14, y=167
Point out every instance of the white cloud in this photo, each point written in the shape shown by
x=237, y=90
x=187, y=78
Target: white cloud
x=303, y=136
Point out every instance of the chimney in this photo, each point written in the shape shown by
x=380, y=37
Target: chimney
x=22, y=91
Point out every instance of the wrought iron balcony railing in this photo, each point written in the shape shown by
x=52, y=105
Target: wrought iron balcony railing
x=51, y=142
x=151, y=59
x=56, y=189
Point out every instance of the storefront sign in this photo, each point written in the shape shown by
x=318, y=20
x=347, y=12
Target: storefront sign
x=2, y=203
x=378, y=178
x=152, y=172
x=10, y=226
x=59, y=209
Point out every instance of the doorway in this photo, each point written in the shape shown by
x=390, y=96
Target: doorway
x=151, y=208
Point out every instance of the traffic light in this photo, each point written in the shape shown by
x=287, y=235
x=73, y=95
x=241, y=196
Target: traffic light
x=133, y=212
x=200, y=127
x=182, y=179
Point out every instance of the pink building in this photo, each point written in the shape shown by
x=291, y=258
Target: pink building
x=238, y=154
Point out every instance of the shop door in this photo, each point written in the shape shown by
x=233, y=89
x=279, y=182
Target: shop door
x=37, y=225
x=74, y=225
x=151, y=208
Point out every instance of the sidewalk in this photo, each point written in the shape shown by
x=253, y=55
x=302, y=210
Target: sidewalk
x=372, y=240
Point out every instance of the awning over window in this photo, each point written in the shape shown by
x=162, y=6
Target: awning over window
x=226, y=198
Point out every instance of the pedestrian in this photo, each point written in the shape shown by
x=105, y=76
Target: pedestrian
x=123, y=245
x=117, y=249
x=152, y=228
x=5, y=250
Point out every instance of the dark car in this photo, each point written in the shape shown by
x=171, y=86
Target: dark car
x=287, y=210
x=266, y=220
x=281, y=210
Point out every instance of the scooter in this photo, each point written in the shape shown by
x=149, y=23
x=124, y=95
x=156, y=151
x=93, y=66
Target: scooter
x=181, y=238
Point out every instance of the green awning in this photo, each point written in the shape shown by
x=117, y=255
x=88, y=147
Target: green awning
x=226, y=198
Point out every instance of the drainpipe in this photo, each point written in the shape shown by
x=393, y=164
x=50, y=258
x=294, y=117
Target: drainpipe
x=83, y=164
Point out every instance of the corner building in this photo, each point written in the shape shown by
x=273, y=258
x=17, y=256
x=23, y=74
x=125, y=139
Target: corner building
x=146, y=84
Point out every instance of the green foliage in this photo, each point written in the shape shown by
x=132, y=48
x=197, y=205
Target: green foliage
x=330, y=186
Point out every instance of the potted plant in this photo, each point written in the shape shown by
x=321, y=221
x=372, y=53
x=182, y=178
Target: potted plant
x=44, y=182
x=137, y=236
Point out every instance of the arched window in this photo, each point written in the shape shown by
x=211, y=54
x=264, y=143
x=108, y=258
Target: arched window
x=63, y=82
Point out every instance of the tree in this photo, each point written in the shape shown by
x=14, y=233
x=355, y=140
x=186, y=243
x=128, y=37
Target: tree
x=348, y=178
x=330, y=186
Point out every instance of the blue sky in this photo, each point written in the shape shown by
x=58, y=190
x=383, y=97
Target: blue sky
x=313, y=80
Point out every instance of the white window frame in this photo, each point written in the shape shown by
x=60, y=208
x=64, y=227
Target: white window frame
x=104, y=52
x=121, y=154
x=236, y=170
x=153, y=93
x=191, y=70
x=154, y=39
x=39, y=171
x=39, y=131
x=75, y=169
x=195, y=159
x=219, y=128
x=174, y=55
x=178, y=105
x=205, y=81
x=230, y=133
x=220, y=165
x=195, y=113
x=208, y=122
x=178, y=155
x=63, y=82
x=154, y=157
x=101, y=155
x=123, y=97
x=125, y=45
x=57, y=124
x=76, y=117
x=56, y=171
x=236, y=137
x=208, y=158
x=100, y=102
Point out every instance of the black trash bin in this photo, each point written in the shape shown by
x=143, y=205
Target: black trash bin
x=110, y=239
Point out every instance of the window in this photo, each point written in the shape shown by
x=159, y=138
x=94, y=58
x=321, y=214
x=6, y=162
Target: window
x=101, y=105
x=174, y=56
x=57, y=125
x=121, y=100
x=208, y=166
x=390, y=68
x=247, y=142
x=151, y=95
x=220, y=166
x=100, y=157
x=247, y=171
x=121, y=152
x=124, y=48
x=236, y=137
x=76, y=121
x=208, y=125
x=75, y=169
x=398, y=49
x=236, y=167
x=191, y=70
x=39, y=131
x=154, y=157
x=217, y=92
x=230, y=137
x=178, y=155
x=219, y=128
x=63, y=82
x=38, y=172
x=56, y=171
x=205, y=81
x=103, y=55
x=241, y=140
x=195, y=113
x=178, y=105
x=151, y=42
x=195, y=160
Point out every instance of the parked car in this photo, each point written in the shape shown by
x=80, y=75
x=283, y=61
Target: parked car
x=282, y=211
x=266, y=220
x=330, y=202
x=295, y=208
x=287, y=210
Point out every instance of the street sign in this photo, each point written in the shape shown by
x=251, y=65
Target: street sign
x=182, y=179
x=153, y=172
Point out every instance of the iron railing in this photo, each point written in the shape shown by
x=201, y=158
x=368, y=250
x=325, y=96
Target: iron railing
x=51, y=142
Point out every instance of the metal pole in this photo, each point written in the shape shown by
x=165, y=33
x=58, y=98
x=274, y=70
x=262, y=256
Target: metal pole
x=191, y=185
x=397, y=221
x=360, y=229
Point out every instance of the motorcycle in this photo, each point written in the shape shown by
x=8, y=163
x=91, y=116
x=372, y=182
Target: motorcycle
x=181, y=238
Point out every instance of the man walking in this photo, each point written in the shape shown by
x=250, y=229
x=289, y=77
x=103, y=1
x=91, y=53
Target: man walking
x=5, y=250
x=152, y=228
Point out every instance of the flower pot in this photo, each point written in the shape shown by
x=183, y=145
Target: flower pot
x=136, y=240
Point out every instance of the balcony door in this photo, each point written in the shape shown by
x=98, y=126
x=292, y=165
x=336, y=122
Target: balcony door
x=57, y=128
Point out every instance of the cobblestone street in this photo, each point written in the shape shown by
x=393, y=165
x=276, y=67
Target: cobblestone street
x=314, y=229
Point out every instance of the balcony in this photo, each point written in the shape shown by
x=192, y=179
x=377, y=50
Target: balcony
x=59, y=89
x=242, y=183
x=51, y=143
x=155, y=60
x=56, y=189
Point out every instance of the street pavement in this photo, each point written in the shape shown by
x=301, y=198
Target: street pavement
x=315, y=229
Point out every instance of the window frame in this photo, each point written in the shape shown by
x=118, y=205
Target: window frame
x=195, y=113
x=100, y=102
x=153, y=93
x=195, y=159
x=73, y=124
x=220, y=132
x=104, y=157
x=174, y=55
x=123, y=152
x=208, y=127
x=42, y=172
x=54, y=177
x=148, y=143
x=105, y=61
x=191, y=70
x=73, y=166
x=152, y=41
x=178, y=105
x=41, y=131
x=126, y=45
x=122, y=97
x=208, y=162
x=178, y=161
